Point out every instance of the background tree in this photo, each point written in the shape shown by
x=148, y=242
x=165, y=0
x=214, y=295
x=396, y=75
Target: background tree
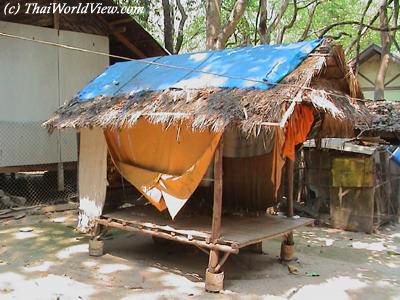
x=217, y=32
x=235, y=23
x=196, y=25
x=169, y=8
x=386, y=42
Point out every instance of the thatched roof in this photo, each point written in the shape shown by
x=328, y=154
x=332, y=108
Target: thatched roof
x=385, y=120
x=216, y=108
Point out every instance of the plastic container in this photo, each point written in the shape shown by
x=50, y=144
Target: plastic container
x=396, y=156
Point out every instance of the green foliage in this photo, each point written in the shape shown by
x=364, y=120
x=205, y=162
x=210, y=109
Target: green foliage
x=327, y=12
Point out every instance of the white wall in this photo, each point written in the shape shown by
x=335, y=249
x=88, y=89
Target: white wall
x=370, y=68
x=35, y=80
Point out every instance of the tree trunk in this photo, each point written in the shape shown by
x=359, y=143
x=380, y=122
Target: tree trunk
x=262, y=24
x=386, y=40
x=168, y=26
x=213, y=22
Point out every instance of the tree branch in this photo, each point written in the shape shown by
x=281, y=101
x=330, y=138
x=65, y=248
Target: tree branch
x=179, y=38
x=309, y=4
x=257, y=19
x=266, y=37
x=325, y=30
x=311, y=13
x=360, y=28
x=364, y=31
x=289, y=25
x=234, y=18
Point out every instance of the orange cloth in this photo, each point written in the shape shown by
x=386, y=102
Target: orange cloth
x=298, y=127
x=165, y=165
x=277, y=160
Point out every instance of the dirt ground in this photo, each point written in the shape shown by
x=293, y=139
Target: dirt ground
x=44, y=258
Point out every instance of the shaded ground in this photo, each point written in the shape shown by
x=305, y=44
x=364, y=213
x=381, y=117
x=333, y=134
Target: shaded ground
x=51, y=262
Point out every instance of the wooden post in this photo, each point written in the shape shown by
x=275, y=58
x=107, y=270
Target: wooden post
x=60, y=177
x=92, y=177
x=287, y=247
x=56, y=17
x=290, y=177
x=216, y=221
x=217, y=206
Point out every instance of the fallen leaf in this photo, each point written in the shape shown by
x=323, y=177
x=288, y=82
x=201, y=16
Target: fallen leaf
x=293, y=269
x=132, y=287
x=6, y=290
x=312, y=274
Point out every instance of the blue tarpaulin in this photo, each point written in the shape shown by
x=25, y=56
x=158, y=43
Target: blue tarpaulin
x=250, y=67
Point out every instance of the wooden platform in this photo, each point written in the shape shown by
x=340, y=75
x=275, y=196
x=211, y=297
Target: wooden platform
x=236, y=231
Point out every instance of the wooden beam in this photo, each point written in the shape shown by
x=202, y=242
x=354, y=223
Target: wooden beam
x=391, y=80
x=120, y=29
x=120, y=37
x=129, y=45
x=120, y=21
x=217, y=206
x=366, y=78
x=387, y=88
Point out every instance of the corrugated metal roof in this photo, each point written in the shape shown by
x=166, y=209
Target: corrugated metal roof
x=250, y=67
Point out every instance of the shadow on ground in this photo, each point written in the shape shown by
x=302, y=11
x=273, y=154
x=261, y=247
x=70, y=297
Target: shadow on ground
x=49, y=260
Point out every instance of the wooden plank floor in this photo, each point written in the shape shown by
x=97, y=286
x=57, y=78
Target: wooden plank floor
x=242, y=230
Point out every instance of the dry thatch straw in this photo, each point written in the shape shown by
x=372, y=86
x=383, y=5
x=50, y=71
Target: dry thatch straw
x=216, y=108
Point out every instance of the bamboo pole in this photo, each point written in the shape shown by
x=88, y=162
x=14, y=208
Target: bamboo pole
x=168, y=236
x=217, y=206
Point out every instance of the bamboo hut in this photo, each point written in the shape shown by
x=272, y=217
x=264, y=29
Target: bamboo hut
x=163, y=120
x=356, y=181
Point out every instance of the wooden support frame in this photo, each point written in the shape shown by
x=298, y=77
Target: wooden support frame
x=168, y=236
x=210, y=240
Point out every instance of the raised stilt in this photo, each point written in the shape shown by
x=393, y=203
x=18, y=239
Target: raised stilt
x=214, y=277
x=287, y=247
x=96, y=245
